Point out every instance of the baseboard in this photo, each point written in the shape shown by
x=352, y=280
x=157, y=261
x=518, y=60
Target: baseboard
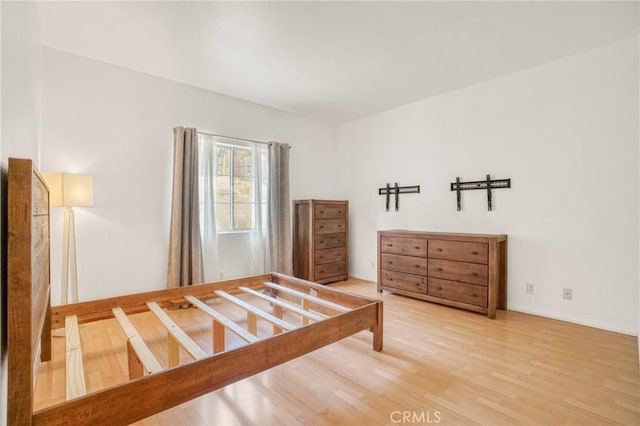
x=562, y=317
x=573, y=319
x=355, y=277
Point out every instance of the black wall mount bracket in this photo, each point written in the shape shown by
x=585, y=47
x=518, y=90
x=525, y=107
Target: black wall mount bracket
x=487, y=184
x=396, y=191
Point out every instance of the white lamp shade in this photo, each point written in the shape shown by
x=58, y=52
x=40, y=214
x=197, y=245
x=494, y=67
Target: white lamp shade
x=69, y=189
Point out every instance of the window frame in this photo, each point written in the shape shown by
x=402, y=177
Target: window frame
x=232, y=147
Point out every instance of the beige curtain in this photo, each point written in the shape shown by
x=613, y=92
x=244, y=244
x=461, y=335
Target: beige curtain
x=207, y=165
x=279, y=209
x=185, y=246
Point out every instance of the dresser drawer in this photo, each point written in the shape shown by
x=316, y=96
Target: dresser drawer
x=458, y=250
x=472, y=273
x=330, y=211
x=412, y=265
x=330, y=241
x=329, y=270
x=409, y=282
x=329, y=255
x=329, y=226
x=460, y=292
x=408, y=246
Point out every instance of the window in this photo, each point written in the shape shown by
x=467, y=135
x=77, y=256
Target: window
x=235, y=195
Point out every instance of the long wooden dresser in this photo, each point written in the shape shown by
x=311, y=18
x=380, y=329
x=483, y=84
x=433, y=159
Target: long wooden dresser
x=467, y=271
x=320, y=237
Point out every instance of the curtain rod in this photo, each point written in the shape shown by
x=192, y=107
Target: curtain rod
x=231, y=137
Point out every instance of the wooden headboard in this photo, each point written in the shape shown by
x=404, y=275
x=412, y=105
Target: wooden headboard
x=29, y=313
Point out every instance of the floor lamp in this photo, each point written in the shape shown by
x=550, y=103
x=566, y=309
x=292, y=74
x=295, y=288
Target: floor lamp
x=69, y=190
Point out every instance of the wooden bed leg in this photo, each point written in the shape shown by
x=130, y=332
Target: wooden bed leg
x=305, y=306
x=135, y=366
x=278, y=312
x=218, y=337
x=378, y=330
x=174, y=351
x=45, y=337
x=252, y=323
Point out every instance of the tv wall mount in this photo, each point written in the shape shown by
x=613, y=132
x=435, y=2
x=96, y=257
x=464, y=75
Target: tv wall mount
x=396, y=190
x=487, y=184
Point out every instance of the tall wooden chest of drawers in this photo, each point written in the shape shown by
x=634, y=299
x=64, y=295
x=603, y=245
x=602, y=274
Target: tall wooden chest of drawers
x=468, y=271
x=320, y=236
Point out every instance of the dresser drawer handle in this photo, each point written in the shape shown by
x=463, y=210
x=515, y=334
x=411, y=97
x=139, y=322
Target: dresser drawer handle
x=438, y=249
x=440, y=288
x=473, y=274
x=474, y=295
x=474, y=252
x=389, y=262
x=417, y=247
x=389, y=245
x=439, y=269
x=321, y=211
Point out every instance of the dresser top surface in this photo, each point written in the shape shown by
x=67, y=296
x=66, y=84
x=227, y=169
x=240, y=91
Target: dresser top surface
x=454, y=236
x=310, y=201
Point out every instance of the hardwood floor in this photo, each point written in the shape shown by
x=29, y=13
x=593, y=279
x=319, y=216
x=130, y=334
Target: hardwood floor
x=439, y=365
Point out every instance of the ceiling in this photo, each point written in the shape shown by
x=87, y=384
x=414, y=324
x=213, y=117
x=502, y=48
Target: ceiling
x=334, y=61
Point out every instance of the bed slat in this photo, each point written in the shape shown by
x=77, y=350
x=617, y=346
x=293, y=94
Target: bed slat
x=297, y=309
x=308, y=297
x=144, y=354
x=241, y=332
x=256, y=311
x=76, y=385
x=190, y=346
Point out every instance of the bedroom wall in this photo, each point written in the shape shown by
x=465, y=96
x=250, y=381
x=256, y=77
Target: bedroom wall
x=116, y=124
x=566, y=133
x=20, y=90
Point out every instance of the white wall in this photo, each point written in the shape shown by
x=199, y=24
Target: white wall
x=20, y=122
x=21, y=81
x=116, y=124
x=566, y=133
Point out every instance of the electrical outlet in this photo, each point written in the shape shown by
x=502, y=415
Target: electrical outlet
x=529, y=288
x=567, y=294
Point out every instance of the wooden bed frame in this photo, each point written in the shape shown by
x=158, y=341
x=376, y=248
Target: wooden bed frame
x=327, y=316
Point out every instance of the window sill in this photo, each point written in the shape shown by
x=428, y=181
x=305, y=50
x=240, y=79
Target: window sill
x=245, y=231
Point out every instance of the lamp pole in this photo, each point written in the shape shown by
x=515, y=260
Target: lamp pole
x=69, y=263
